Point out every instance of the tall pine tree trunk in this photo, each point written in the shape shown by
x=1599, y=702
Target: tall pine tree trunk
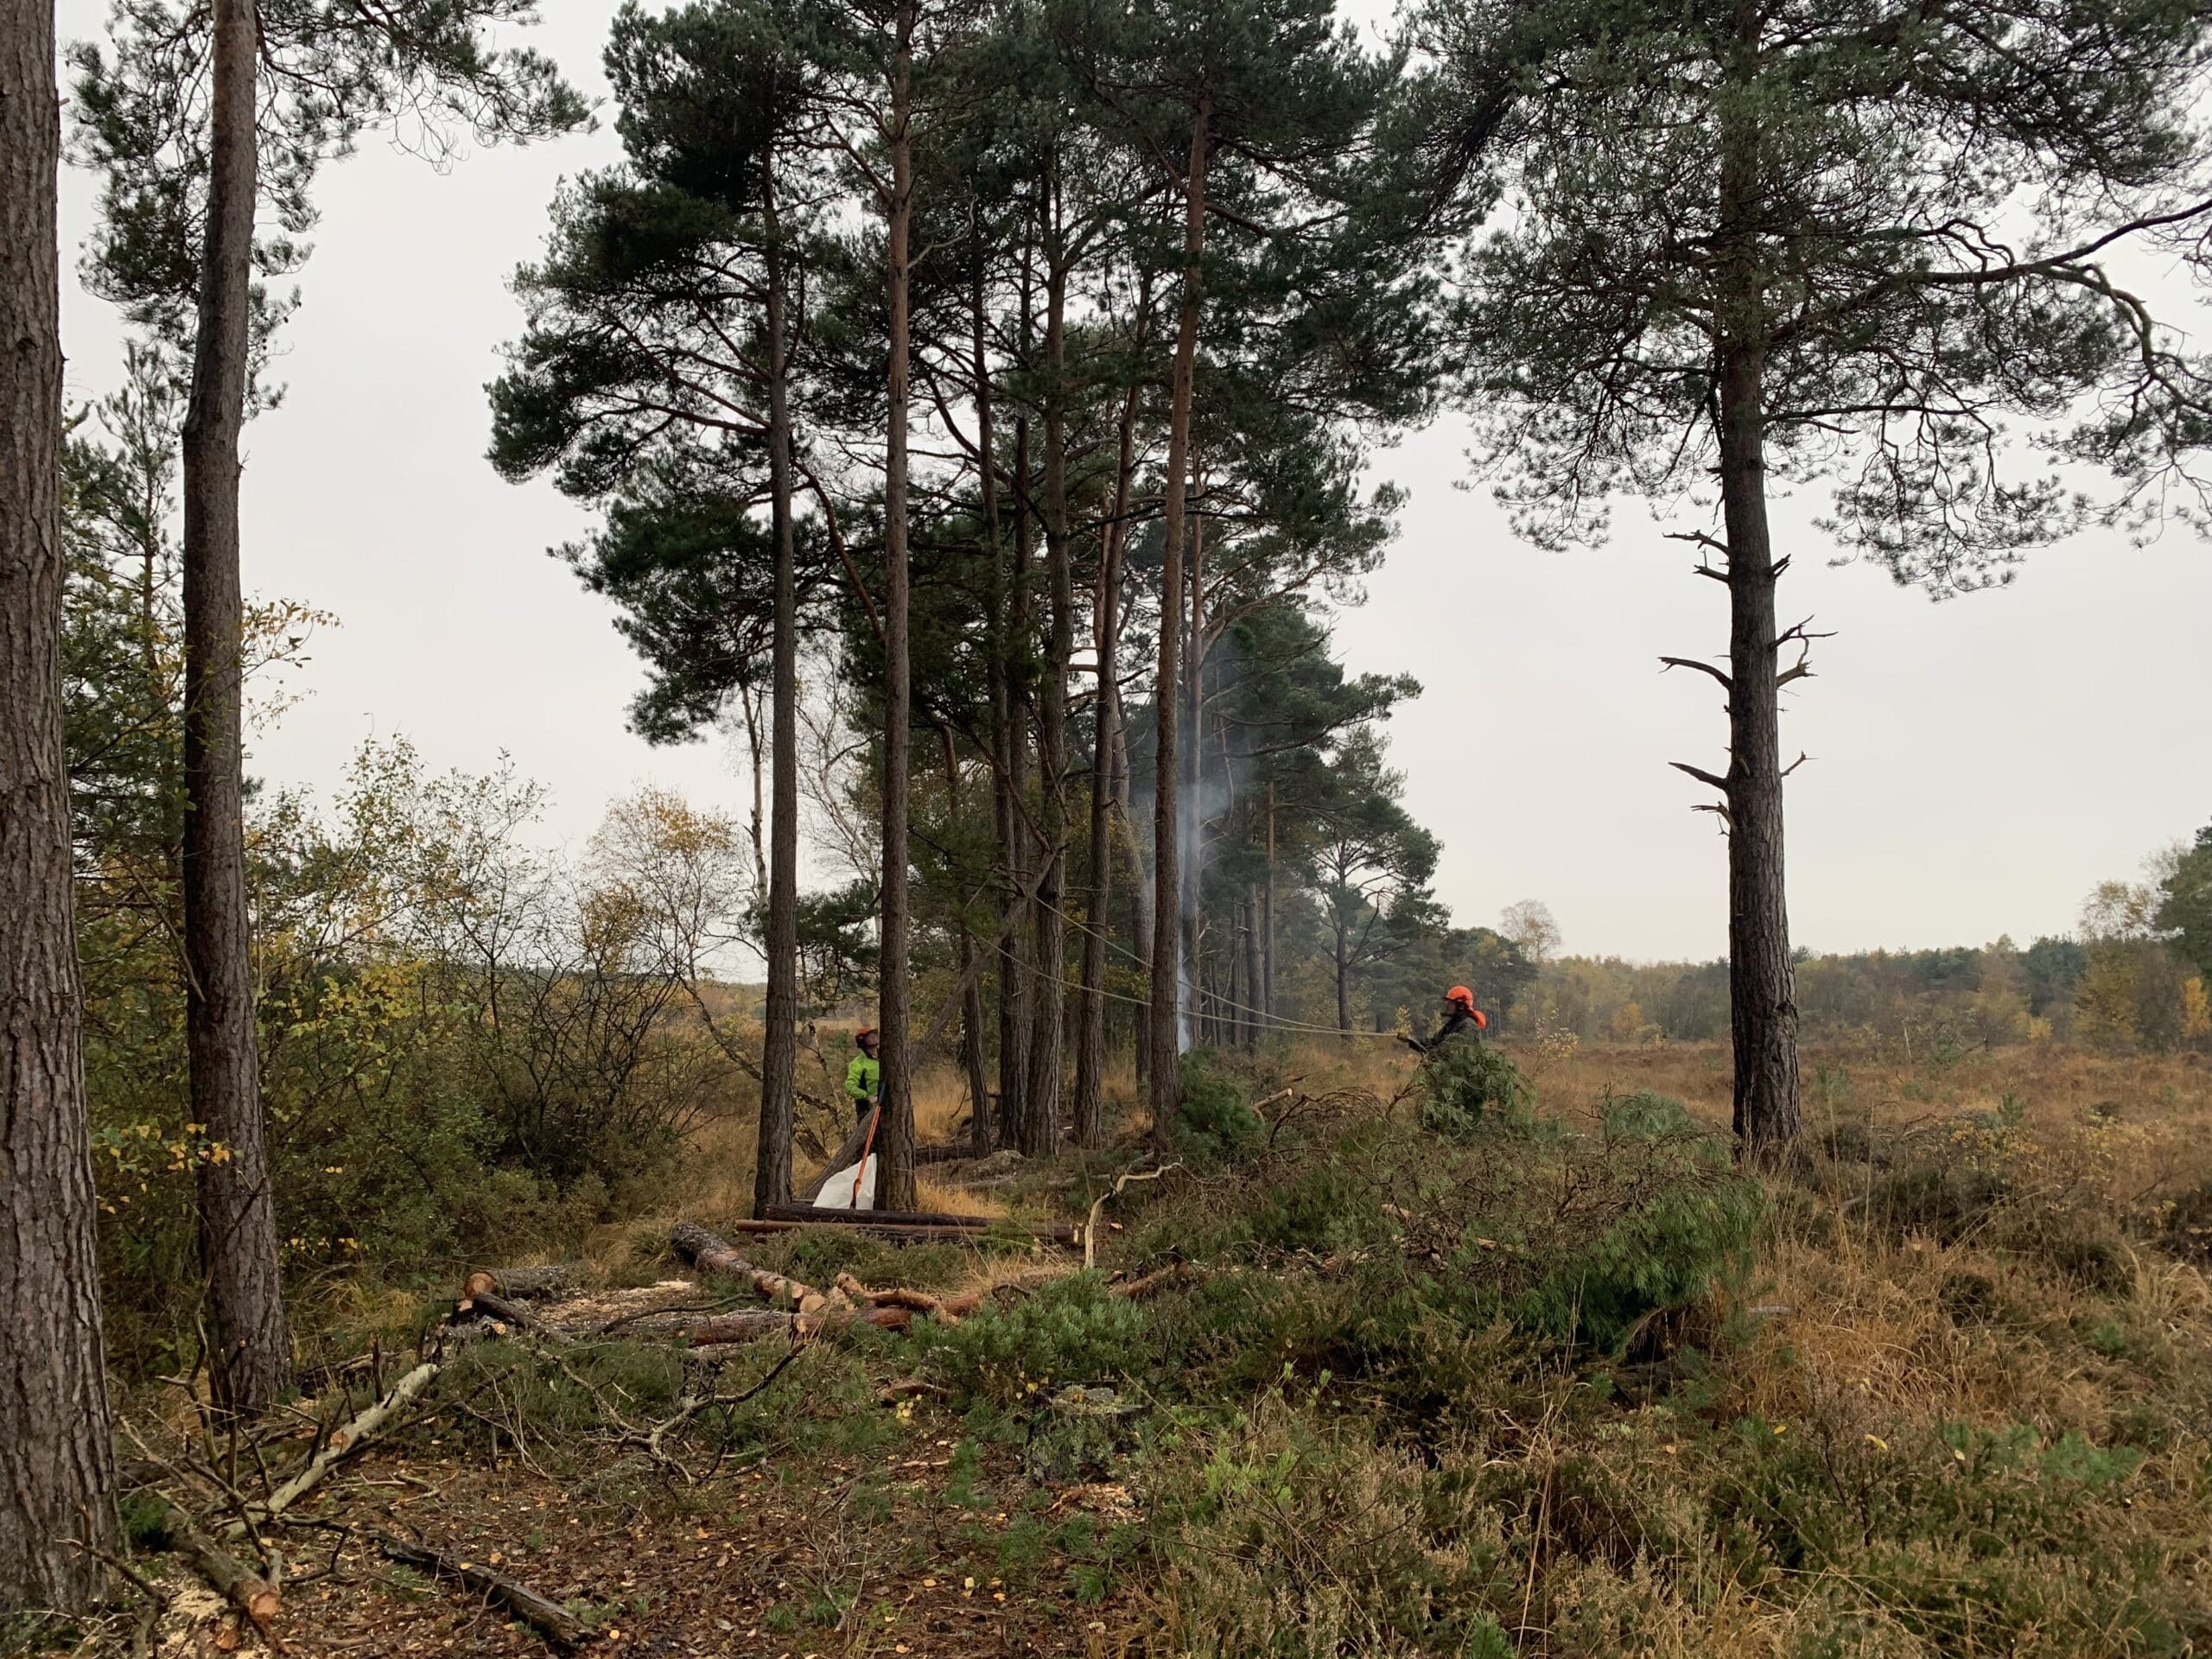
x=250, y=1353
x=57, y=1458
x=771, y=1179
x=1106, y=638
x=1762, y=985
x=1253, y=1031
x=1194, y=772
x=971, y=994
x=895, y=1141
x=1762, y=988
x=1166, y=1079
x=1041, y=1120
x=1013, y=1007
x=1267, y=1001
x=1140, y=916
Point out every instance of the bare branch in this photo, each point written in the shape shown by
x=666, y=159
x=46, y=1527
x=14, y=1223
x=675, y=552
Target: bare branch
x=1726, y=683
x=1702, y=776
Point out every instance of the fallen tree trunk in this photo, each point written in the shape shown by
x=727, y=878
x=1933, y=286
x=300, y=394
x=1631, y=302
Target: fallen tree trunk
x=722, y=1328
x=891, y=1233
x=710, y=1253
x=1058, y=1232
x=550, y=1281
x=245, y=1589
x=550, y=1620
x=894, y=1217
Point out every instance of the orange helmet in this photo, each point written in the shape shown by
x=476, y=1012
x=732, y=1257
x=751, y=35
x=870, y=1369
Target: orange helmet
x=1462, y=995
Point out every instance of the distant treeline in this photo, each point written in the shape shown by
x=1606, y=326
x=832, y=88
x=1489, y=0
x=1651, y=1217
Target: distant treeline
x=2109, y=992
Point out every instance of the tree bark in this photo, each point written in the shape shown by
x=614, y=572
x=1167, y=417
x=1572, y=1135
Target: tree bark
x=1193, y=850
x=1254, y=1022
x=1167, y=1079
x=1267, y=919
x=1040, y=1121
x=1007, y=746
x=1140, y=922
x=771, y=1179
x=1106, y=638
x=250, y=1355
x=1343, y=982
x=57, y=1459
x=895, y=1187
x=1762, y=988
x=971, y=995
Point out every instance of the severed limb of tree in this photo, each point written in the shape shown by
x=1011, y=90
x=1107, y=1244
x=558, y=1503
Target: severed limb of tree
x=946, y=1310
x=550, y=1620
x=245, y=1589
x=341, y=1446
x=1719, y=674
x=1098, y=1207
x=1175, y=1272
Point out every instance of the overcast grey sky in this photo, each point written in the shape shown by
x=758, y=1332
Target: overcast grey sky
x=1975, y=765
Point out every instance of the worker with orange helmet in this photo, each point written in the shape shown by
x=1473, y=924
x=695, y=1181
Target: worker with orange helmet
x=1459, y=1013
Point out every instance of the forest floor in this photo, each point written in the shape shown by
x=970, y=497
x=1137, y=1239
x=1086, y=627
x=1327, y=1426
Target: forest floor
x=1955, y=1401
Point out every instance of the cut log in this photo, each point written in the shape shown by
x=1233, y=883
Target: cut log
x=899, y=1232
x=889, y=1234
x=245, y=1589
x=891, y=1218
x=491, y=1306
x=550, y=1620
x=1058, y=1232
x=549, y=1282
x=709, y=1252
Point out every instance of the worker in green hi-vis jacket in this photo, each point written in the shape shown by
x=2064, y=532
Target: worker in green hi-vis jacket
x=864, y=1077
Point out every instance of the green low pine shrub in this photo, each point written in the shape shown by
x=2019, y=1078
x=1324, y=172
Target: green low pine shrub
x=1471, y=1088
x=1069, y=1329
x=1216, y=1119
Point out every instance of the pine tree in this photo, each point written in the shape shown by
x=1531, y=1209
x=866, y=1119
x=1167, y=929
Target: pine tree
x=181, y=122
x=1756, y=241
x=57, y=1458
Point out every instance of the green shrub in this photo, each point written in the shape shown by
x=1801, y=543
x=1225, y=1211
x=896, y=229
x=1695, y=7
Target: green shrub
x=1070, y=1330
x=1216, y=1120
x=1385, y=1256
x=1644, y=1112
x=1468, y=1089
x=815, y=1256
